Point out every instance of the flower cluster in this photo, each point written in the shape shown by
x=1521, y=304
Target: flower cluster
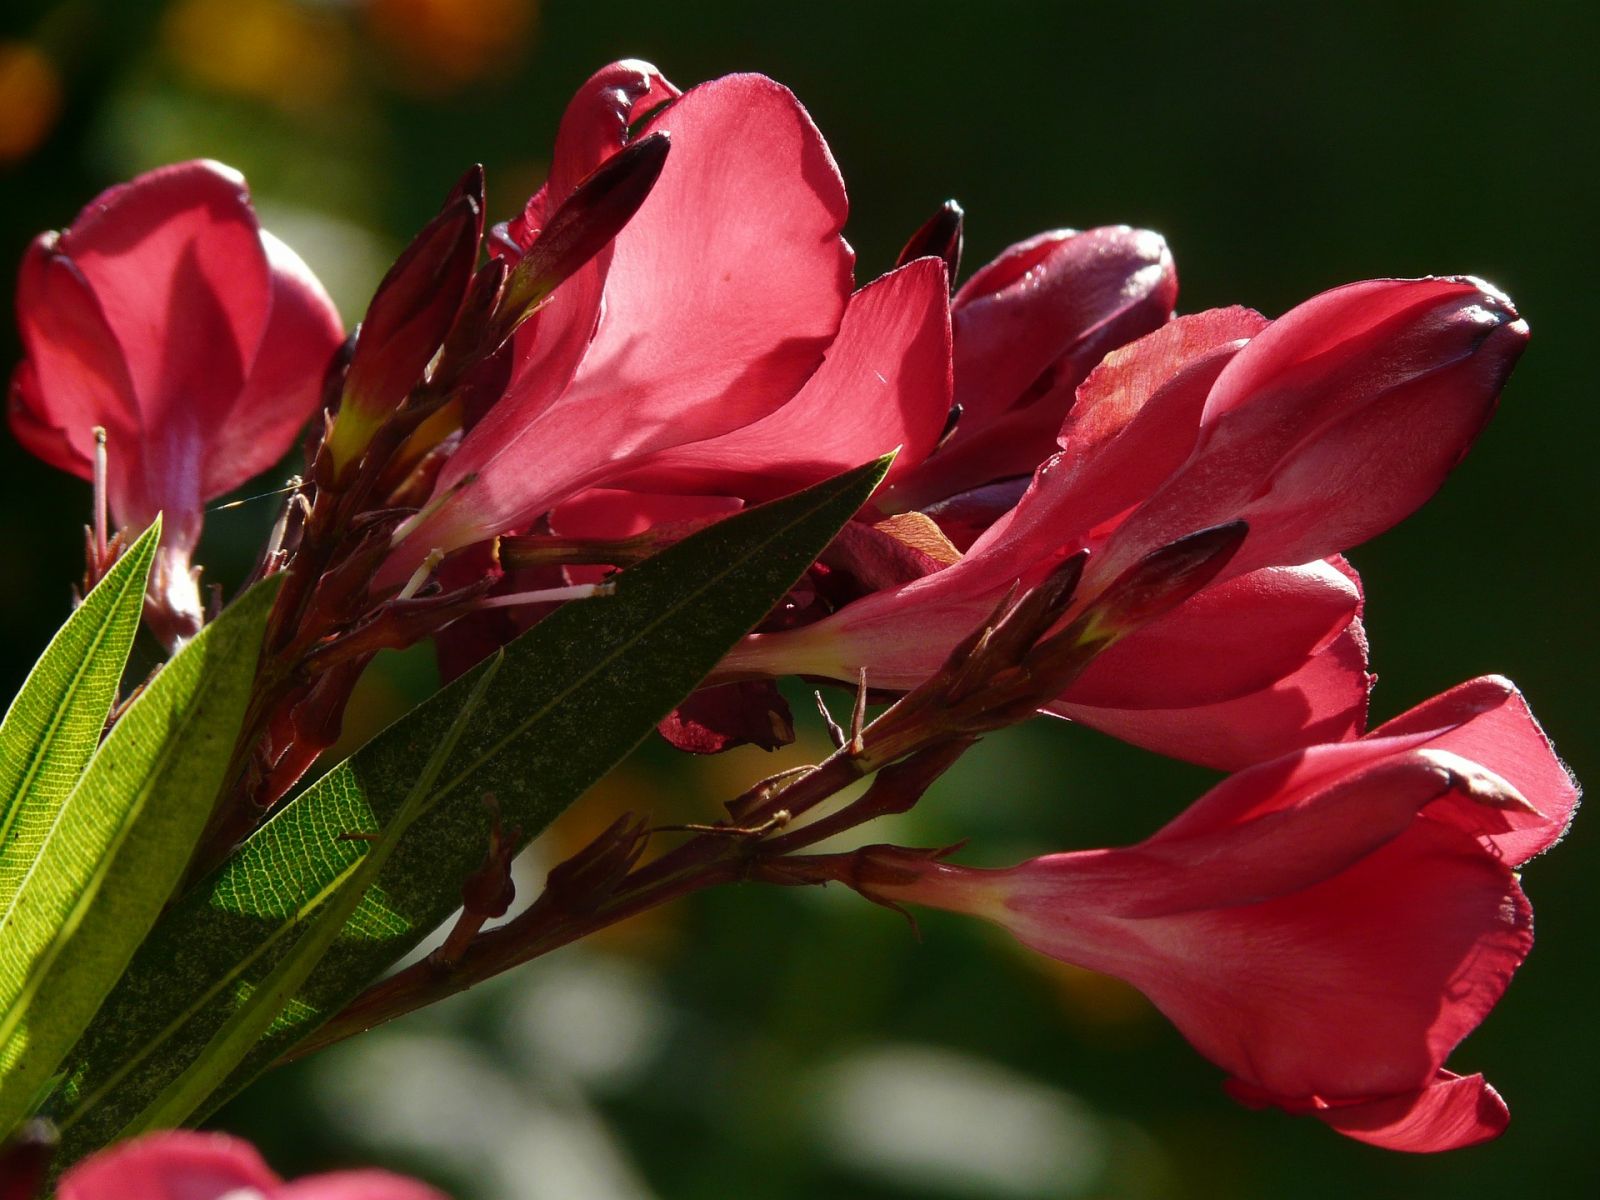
x=1098, y=510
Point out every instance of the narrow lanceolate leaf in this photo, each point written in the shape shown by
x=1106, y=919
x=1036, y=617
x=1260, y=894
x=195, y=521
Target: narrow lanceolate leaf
x=576, y=693
x=251, y=1020
x=116, y=849
x=54, y=724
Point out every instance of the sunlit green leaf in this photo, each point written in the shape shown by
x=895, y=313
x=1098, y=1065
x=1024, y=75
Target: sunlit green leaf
x=54, y=724
x=117, y=848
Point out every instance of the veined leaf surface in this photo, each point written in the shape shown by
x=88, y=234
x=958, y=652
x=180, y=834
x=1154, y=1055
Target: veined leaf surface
x=576, y=693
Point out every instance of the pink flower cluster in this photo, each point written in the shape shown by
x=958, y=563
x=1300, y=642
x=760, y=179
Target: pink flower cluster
x=1326, y=925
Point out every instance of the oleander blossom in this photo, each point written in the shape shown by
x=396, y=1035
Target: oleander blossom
x=724, y=297
x=1326, y=927
x=183, y=1165
x=1320, y=429
x=168, y=317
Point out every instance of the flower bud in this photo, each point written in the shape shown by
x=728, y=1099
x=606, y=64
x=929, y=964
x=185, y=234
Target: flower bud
x=939, y=237
x=583, y=226
x=410, y=314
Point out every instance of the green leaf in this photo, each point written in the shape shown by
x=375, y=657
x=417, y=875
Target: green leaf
x=54, y=725
x=230, y=1044
x=577, y=692
x=117, y=848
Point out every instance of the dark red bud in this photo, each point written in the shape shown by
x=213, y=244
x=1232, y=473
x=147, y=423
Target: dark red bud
x=589, y=876
x=466, y=344
x=939, y=237
x=596, y=212
x=410, y=314
x=1165, y=578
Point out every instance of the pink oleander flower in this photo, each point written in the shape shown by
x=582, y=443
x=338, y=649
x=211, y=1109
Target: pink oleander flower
x=1326, y=927
x=168, y=317
x=1024, y=331
x=723, y=299
x=183, y=1165
x=1320, y=430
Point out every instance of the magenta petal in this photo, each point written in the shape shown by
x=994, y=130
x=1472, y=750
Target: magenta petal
x=1487, y=720
x=593, y=128
x=76, y=377
x=178, y=248
x=883, y=383
x=751, y=712
x=1230, y=640
x=549, y=347
x=723, y=293
x=1325, y=700
x=285, y=384
x=1358, y=983
x=357, y=1185
x=171, y=1166
x=1337, y=421
x=1451, y=1113
x=1028, y=327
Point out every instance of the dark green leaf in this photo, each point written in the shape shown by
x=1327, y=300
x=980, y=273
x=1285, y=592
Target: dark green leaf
x=231, y=1043
x=577, y=692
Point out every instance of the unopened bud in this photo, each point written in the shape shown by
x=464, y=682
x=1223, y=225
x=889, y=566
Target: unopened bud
x=584, y=225
x=1162, y=580
x=1004, y=641
x=589, y=876
x=466, y=343
x=410, y=314
x=939, y=237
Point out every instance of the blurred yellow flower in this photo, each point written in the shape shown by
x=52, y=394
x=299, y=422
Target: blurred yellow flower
x=30, y=100
x=271, y=50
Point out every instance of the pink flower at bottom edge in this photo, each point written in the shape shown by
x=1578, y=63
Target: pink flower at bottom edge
x=184, y=1165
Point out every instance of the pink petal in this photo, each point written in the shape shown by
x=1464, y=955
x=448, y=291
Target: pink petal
x=75, y=377
x=1357, y=984
x=724, y=291
x=883, y=383
x=593, y=128
x=285, y=384
x=550, y=346
x=1488, y=720
x=1337, y=421
x=170, y=1166
x=1451, y=1113
x=357, y=1185
x=1230, y=640
x=1324, y=701
x=1028, y=327
x=178, y=249
x=1483, y=721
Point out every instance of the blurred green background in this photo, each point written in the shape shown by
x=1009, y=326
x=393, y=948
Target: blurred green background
x=765, y=1045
